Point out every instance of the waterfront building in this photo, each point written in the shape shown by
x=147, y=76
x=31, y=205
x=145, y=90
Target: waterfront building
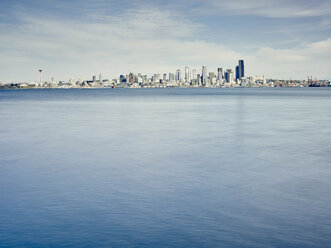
x=199, y=79
x=131, y=78
x=229, y=76
x=204, y=75
x=194, y=74
x=171, y=77
x=220, y=74
x=187, y=74
x=241, y=69
x=52, y=83
x=122, y=79
x=178, y=76
x=211, y=78
x=237, y=73
x=156, y=78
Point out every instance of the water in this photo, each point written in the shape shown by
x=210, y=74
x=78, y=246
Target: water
x=165, y=168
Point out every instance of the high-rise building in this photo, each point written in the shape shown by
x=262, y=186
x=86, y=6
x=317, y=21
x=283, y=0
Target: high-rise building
x=241, y=69
x=187, y=74
x=178, y=76
x=131, y=78
x=237, y=72
x=229, y=76
x=211, y=77
x=194, y=74
x=122, y=79
x=194, y=79
x=156, y=78
x=199, y=79
x=171, y=77
x=220, y=74
x=204, y=74
x=52, y=83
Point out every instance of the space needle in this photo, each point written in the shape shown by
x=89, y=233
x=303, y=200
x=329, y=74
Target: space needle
x=40, y=72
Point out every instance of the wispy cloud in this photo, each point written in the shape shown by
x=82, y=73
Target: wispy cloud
x=148, y=40
x=312, y=59
x=320, y=50
x=152, y=39
x=276, y=8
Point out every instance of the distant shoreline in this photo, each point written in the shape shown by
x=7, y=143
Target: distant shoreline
x=99, y=88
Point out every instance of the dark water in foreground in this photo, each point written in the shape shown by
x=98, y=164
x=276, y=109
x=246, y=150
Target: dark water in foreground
x=165, y=168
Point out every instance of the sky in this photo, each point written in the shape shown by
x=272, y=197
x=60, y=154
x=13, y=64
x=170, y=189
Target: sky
x=280, y=39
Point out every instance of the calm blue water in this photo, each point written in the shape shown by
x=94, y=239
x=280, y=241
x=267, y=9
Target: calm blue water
x=165, y=168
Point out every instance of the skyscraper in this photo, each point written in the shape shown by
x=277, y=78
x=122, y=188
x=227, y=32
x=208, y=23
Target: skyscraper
x=241, y=69
x=204, y=74
x=219, y=74
x=194, y=74
x=171, y=77
x=131, y=78
x=237, y=72
x=156, y=78
x=187, y=74
x=229, y=76
x=122, y=79
x=178, y=75
x=211, y=77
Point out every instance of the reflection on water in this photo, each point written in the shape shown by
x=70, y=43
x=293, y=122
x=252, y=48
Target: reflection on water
x=165, y=168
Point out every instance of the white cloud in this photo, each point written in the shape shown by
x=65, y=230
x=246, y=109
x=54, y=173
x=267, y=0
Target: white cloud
x=317, y=50
x=282, y=55
x=312, y=59
x=276, y=8
x=147, y=40
x=320, y=48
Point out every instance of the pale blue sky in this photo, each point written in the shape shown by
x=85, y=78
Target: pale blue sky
x=276, y=38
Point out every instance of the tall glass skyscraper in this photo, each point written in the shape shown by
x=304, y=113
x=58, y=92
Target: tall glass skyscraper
x=178, y=76
x=241, y=69
x=237, y=72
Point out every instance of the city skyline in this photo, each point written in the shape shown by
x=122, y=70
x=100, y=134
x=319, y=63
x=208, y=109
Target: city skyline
x=228, y=78
x=278, y=39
